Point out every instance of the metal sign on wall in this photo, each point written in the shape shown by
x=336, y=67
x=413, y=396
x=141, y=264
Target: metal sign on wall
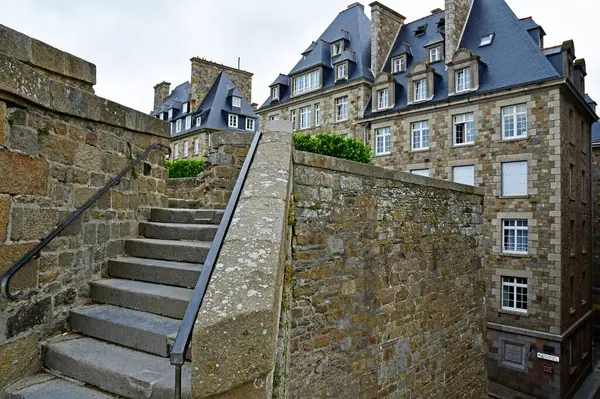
x=549, y=357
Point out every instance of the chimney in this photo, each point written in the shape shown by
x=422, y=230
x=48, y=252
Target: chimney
x=436, y=11
x=385, y=24
x=357, y=4
x=161, y=92
x=457, y=12
x=204, y=74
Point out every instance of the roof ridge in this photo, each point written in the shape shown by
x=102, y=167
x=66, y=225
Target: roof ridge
x=427, y=16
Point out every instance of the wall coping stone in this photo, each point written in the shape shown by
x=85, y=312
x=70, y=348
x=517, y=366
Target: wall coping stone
x=39, y=54
x=346, y=166
x=20, y=83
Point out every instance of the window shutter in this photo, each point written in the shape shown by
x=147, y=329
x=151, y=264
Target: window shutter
x=514, y=178
x=464, y=174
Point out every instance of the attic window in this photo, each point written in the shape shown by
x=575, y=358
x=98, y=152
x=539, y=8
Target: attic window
x=420, y=30
x=198, y=121
x=486, y=40
x=170, y=113
x=185, y=108
x=441, y=23
x=337, y=48
x=275, y=93
x=236, y=101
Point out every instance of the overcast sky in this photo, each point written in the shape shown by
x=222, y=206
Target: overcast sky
x=138, y=43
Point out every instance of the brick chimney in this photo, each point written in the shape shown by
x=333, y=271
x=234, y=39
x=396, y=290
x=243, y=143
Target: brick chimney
x=161, y=92
x=385, y=24
x=204, y=74
x=457, y=12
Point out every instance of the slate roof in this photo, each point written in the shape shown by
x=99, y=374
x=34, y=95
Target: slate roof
x=596, y=125
x=513, y=59
x=214, y=109
x=351, y=25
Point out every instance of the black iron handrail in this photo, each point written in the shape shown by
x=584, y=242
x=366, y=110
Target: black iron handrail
x=35, y=252
x=182, y=341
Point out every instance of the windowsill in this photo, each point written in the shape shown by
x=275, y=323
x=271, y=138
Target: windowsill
x=421, y=149
x=514, y=138
x=513, y=312
x=419, y=101
x=383, y=154
x=515, y=255
x=301, y=129
x=514, y=196
x=463, y=145
x=397, y=72
x=341, y=121
x=341, y=79
x=572, y=311
x=463, y=91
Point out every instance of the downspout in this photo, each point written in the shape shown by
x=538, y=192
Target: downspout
x=592, y=253
x=365, y=127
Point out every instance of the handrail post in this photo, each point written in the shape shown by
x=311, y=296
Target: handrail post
x=178, y=381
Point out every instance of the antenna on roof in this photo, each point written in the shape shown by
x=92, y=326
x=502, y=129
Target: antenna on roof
x=239, y=60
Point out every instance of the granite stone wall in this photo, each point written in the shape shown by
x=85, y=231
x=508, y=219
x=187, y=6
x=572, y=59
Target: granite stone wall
x=58, y=146
x=387, y=284
x=204, y=74
x=385, y=24
x=457, y=12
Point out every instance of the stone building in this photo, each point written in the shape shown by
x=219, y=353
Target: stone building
x=471, y=95
x=216, y=100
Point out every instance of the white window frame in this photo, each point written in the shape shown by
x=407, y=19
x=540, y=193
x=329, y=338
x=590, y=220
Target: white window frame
x=513, y=225
x=512, y=117
x=383, y=141
x=420, y=90
x=341, y=71
x=274, y=117
x=421, y=172
x=383, y=98
x=185, y=108
x=186, y=148
x=337, y=48
x=275, y=93
x=455, y=169
x=467, y=121
x=176, y=151
x=160, y=116
x=188, y=122
x=419, y=130
x=178, y=125
x=435, y=54
x=236, y=101
x=305, y=117
x=307, y=83
x=462, y=79
x=341, y=109
x=513, y=284
x=198, y=121
x=170, y=113
x=317, y=114
x=293, y=119
x=232, y=120
x=196, y=146
x=250, y=124
x=509, y=189
x=398, y=65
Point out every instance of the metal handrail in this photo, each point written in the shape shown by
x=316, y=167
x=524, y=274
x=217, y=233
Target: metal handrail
x=182, y=341
x=35, y=252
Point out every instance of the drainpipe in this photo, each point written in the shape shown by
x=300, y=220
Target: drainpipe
x=592, y=254
x=365, y=127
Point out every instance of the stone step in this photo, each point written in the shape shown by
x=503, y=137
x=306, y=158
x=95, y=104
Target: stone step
x=115, y=369
x=179, y=231
x=46, y=386
x=126, y=327
x=179, y=274
x=159, y=299
x=178, y=251
x=164, y=215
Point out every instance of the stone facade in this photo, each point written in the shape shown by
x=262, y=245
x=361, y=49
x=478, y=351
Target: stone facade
x=596, y=228
x=387, y=288
x=58, y=146
x=204, y=74
x=184, y=147
x=457, y=12
x=385, y=24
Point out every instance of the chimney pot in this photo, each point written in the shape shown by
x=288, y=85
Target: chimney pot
x=436, y=11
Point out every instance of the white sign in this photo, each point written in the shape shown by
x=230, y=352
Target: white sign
x=546, y=356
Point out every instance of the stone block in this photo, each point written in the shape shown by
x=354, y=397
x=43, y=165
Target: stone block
x=28, y=315
x=32, y=223
x=24, y=139
x=18, y=359
x=22, y=174
x=4, y=212
x=27, y=276
x=88, y=157
x=57, y=148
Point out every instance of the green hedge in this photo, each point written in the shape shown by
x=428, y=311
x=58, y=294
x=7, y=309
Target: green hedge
x=334, y=146
x=184, y=168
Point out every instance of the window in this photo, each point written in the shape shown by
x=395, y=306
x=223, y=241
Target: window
x=185, y=108
x=341, y=109
x=185, y=148
x=398, y=65
x=435, y=54
x=572, y=237
x=514, y=236
x=307, y=83
x=337, y=48
x=196, y=146
x=463, y=79
x=236, y=101
x=188, y=122
x=170, y=113
x=420, y=90
x=274, y=117
x=383, y=141
x=305, y=117
x=250, y=124
x=178, y=125
x=342, y=71
x=420, y=135
x=176, y=151
x=198, y=121
x=233, y=120
x=514, y=122
x=464, y=132
x=317, y=114
x=486, y=40
x=514, y=179
x=583, y=186
x=571, y=182
x=464, y=174
x=160, y=116
x=584, y=234
x=420, y=172
x=275, y=93
x=514, y=294
x=383, y=98
x=293, y=118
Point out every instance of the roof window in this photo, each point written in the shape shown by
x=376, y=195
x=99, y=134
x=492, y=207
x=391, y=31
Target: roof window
x=486, y=40
x=420, y=30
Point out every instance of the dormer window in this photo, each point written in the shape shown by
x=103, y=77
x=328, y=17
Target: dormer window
x=463, y=72
x=236, y=101
x=185, y=108
x=250, y=124
x=420, y=30
x=198, y=121
x=170, y=112
x=383, y=98
x=441, y=23
x=337, y=48
x=399, y=64
x=275, y=93
x=486, y=40
x=435, y=54
x=188, y=122
x=306, y=83
x=178, y=126
x=463, y=79
x=420, y=90
x=233, y=121
x=160, y=116
x=341, y=71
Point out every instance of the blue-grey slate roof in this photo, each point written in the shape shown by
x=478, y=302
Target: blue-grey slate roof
x=347, y=55
x=178, y=96
x=281, y=80
x=513, y=58
x=354, y=27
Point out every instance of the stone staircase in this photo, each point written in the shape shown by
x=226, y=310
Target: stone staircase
x=120, y=342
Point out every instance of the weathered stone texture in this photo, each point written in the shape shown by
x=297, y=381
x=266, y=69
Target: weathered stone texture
x=457, y=12
x=18, y=357
x=385, y=24
x=387, y=289
x=3, y=125
x=204, y=74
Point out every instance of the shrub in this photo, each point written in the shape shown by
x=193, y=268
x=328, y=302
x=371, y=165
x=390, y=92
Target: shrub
x=184, y=168
x=334, y=146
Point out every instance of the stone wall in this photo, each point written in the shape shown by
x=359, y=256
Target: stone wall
x=212, y=188
x=58, y=146
x=387, y=287
x=596, y=239
x=385, y=24
x=457, y=12
x=204, y=74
